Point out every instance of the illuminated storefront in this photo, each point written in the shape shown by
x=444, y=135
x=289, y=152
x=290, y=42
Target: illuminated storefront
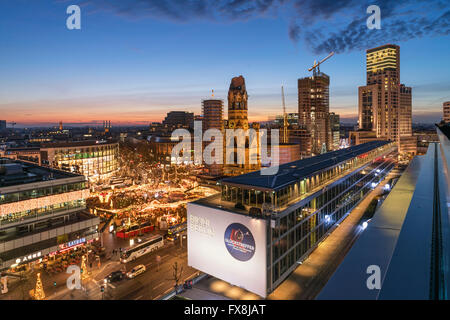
x=42, y=211
x=95, y=160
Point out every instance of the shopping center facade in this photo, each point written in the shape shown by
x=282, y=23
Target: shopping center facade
x=96, y=160
x=42, y=212
x=257, y=231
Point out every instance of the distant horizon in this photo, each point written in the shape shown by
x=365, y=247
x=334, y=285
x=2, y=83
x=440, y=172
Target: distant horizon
x=49, y=125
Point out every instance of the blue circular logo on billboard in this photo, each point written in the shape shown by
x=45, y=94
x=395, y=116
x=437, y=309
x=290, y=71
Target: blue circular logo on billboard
x=239, y=242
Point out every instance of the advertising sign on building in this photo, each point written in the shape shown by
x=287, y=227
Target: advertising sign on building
x=228, y=246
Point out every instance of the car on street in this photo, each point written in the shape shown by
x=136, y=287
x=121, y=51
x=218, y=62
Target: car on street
x=114, y=277
x=136, y=271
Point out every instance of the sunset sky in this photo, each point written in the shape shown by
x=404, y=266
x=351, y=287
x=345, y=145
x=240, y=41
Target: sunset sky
x=133, y=61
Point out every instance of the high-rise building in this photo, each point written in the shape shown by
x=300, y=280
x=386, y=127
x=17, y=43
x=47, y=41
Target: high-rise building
x=213, y=119
x=446, y=108
x=405, y=113
x=313, y=110
x=384, y=104
x=302, y=137
x=335, y=125
x=382, y=62
x=292, y=119
x=2, y=125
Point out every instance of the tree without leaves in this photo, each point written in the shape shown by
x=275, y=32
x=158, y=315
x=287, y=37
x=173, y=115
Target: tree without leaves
x=176, y=274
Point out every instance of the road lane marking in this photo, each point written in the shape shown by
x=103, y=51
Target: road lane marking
x=97, y=282
x=159, y=285
x=138, y=298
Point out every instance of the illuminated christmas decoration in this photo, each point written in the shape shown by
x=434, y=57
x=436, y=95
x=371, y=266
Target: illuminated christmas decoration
x=84, y=273
x=39, y=293
x=43, y=202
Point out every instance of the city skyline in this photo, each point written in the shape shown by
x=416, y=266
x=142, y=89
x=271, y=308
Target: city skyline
x=112, y=69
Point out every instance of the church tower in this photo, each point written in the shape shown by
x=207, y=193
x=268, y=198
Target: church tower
x=237, y=104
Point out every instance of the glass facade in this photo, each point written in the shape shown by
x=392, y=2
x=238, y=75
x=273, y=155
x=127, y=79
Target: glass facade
x=282, y=198
x=92, y=161
x=41, y=192
x=303, y=227
x=41, y=212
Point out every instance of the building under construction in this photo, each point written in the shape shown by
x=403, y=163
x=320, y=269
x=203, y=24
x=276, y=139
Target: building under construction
x=313, y=110
x=212, y=110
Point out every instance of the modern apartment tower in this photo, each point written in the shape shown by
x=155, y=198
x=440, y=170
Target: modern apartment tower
x=313, y=110
x=384, y=103
x=446, y=110
x=335, y=126
x=212, y=110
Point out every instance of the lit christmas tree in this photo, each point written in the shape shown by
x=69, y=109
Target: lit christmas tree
x=84, y=272
x=39, y=293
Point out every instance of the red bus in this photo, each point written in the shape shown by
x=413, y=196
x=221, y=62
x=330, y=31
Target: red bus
x=134, y=230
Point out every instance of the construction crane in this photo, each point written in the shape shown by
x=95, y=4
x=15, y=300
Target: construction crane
x=317, y=64
x=285, y=121
x=13, y=124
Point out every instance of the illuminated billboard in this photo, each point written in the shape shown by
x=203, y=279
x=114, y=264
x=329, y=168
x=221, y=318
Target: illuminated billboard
x=228, y=246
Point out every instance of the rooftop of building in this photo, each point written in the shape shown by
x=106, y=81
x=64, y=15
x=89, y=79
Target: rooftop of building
x=14, y=173
x=445, y=129
x=318, y=74
x=400, y=239
x=393, y=46
x=293, y=171
x=16, y=149
x=83, y=143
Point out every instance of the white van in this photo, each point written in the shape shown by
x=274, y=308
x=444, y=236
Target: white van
x=136, y=271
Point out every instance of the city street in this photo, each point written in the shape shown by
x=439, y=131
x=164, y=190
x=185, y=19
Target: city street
x=152, y=284
x=156, y=281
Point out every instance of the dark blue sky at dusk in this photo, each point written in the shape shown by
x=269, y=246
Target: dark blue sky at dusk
x=133, y=61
